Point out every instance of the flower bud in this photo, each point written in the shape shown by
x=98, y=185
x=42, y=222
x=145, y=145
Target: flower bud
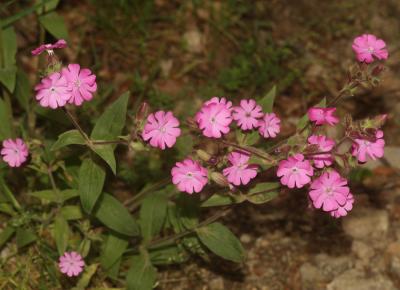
x=142, y=112
x=219, y=179
x=377, y=70
x=203, y=155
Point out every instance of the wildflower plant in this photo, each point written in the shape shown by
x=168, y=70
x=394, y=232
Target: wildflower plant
x=89, y=231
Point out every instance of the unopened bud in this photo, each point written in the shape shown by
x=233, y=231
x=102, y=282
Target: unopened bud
x=203, y=155
x=142, y=112
x=379, y=121
x=219, y=179
x=377, y=70
x=191, y=123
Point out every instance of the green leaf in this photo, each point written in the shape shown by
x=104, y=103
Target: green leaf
x=24, y=237
x=223, y=199
x=115, y=216
x=87, y=275
x=141, y=275
x=184, y=146
x=221, y=241
x=167, y=255
x=152, y=215
x=84, y=247
x=108, y=127
x=263, y=192
x=114, y=248
x=71, y=212
x=61, y=234
x=304, y=120
x=6, y=234
x=7, y=209
x=54, y=24
x=106, y=152
x=187, y=210
x=110, y=124
x=9, y=46
x=49, y=194
x=23, y=89
x=8, y=77
x=5, y=121
x=91, y=181
x=252, y=138
x=68, y=138
x=267, y=102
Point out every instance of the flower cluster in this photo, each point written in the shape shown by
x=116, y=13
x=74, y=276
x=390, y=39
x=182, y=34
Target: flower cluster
x=72, y=84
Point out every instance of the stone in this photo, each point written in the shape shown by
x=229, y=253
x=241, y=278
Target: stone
x=245, y=238
x=322, y=269
x=355, y=279
x=362, y=250
x=194, y=41
x=216, y=284
x=366, y=224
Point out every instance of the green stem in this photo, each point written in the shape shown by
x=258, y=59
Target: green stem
x=166, y=240
x=76, y=124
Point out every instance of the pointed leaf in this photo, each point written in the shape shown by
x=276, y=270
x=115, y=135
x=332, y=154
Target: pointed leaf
x=110, y=124
x=9, y=46
x=221, y=241
x=68, y=138
x=5, y=121
x=54, y=24
x=91, y=181
x=71, y=212
x=152, y=215
x=222, y=199
x=61, y=234
x=267, y=102
x=141, y=275
x=8, y=77
x=23, y=89
x=114, y=248
x=6, y=234
x=106, y=152
x=24, y=237
x=115, y=216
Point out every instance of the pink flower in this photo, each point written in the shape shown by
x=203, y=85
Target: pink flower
x=49, y=47
x=324, y=145
x=71, y=263
x=247, y=114
x=162, y=129
x=323, y=116
x=365, y=150
x=81, y=83
x=14, y=152
x=343, y=210
x=240, y=172
x=269, y=125
x=367, y=46
x=295, y=171
x=53, y=91
x=214, y=119
x=329, y=191
x=189, y=176
x=214, y=100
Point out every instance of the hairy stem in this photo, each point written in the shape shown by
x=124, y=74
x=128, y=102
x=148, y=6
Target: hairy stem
x=76, y=124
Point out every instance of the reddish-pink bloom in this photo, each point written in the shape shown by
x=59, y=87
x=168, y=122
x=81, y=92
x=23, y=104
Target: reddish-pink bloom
x=241, y=172
x=214, y=119
x=295, y=171
x=81, y=83
x=367, y=46
x=214, y=100
x=53, y=91
x=323, y=116
x=324, y=145
x=162, y=129
x=189, y=176
x=329, y=191
x=14, y=152
x=247, y=114
x=49, y=47
x=71, y=263
x=365, y=150
x=343, y=210
x=269, y=125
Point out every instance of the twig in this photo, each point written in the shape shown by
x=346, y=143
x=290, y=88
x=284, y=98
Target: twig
x=76, y=124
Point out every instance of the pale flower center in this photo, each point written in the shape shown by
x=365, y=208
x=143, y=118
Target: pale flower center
x=189, y=174
x=370, y=49
x=162, y=130
x=295, y=170
x=329, y=190
x=212, y=120
x=78, y=83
